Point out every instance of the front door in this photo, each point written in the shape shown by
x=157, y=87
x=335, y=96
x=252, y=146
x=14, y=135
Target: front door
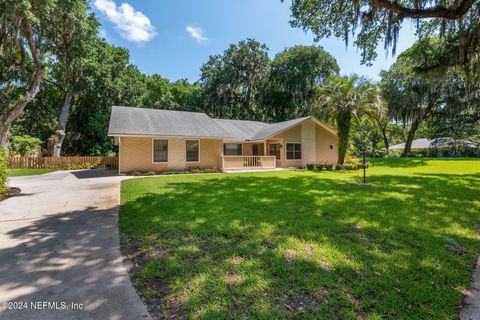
x=257, y=149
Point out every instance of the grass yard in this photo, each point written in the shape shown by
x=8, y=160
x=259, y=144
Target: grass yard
x=306, y=245
x=27, y=172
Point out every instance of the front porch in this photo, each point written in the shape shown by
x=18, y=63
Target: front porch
x=248, y=162
x=248, y=156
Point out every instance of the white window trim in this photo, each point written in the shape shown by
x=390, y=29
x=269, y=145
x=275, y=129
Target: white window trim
x=198, y=150
x=293, y=142
x=153, y=151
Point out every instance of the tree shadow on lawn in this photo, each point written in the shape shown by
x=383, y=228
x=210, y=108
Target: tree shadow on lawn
x=303, y=246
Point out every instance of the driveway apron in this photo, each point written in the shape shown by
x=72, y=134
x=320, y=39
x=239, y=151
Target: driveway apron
x=59, y=249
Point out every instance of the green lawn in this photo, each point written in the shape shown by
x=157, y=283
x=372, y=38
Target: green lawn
x=27, y=172
x=298, y=244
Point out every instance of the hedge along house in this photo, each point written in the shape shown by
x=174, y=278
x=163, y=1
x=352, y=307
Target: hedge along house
x=158, y=140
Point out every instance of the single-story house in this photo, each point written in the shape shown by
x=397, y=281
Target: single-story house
x=424, y=143
x=158, y=140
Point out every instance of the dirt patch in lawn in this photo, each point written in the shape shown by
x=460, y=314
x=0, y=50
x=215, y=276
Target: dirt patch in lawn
x=301, y=302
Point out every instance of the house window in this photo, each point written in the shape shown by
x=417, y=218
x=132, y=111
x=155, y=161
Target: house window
x=160, y=150
x=232, y=149
x=193, y=148
x=274, y=150
x=294, y=151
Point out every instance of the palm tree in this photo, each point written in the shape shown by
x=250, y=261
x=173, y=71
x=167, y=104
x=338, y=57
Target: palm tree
x=342, y=99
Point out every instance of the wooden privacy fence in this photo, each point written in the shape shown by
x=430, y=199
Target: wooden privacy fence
x=62, y=162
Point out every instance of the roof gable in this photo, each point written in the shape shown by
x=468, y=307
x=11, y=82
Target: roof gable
x=275, y=128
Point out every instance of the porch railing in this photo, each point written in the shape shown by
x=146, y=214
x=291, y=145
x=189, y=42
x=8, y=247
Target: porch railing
x=248, y=162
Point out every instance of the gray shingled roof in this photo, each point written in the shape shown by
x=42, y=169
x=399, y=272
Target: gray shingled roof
x=416, y=144
x=424, y=143
x=241, y=129
x=143, y=121
x=275, y=128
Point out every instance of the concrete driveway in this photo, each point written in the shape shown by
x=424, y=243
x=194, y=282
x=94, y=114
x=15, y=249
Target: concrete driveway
x=59, y=249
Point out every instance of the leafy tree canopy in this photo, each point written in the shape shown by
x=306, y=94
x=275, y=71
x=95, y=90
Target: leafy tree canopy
x=374, y=21
x=233, y=82
x=24, y=145
x=345, y=99
x=295, y=75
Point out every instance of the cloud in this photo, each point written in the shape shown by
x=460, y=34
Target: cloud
x=196, y=33
x=102, y=33
x=133, y=25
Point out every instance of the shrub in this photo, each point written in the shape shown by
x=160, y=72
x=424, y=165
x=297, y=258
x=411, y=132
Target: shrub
x=95, y=150
x=310, y=166
x=174, y=171
x=86, y=165
x=351, y=166
x=329, y=166
x=471, y=152
x=393, y=154
x=319, y=167
x=351, y=159
x=338, y=167
x=201, y=170
x=408, y=155
x=3, y=172
x=24, y=145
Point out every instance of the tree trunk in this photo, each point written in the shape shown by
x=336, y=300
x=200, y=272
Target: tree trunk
x=4, y=142
x=343, y=124
x=62, y=124
x=385, y=138
x=7, y=119
x=411, y=136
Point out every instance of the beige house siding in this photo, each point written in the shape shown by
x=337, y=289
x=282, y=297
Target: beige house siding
x=136, y=154
x=309, y=144
x=211, y=151
x=324, y=140
x=315, y=141
x=291, y=135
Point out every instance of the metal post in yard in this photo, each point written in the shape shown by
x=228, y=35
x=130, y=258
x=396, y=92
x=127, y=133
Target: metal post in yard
x=364, y=167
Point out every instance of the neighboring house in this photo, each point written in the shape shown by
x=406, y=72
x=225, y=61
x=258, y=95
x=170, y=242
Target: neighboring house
x=157, y=140
x=424, y=143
